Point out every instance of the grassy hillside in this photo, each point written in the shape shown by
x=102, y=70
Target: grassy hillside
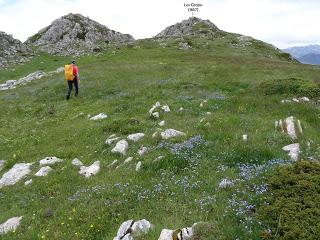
x=182, y=188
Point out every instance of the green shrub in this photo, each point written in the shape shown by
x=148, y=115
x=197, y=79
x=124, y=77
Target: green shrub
x=293, y=208
x=290, y=86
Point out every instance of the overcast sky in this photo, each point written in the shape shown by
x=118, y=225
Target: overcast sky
x=283, y=23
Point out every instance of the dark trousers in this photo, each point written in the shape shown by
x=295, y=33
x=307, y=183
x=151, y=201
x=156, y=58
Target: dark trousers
x=75, y=82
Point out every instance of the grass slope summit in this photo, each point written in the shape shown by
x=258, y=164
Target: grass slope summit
x=211, y=95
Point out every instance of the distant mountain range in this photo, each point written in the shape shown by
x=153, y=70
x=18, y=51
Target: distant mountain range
x=309, y=54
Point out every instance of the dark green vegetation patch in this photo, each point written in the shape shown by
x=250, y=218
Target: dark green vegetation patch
x=293, y=209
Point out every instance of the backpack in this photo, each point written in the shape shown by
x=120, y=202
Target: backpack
x=68, y=72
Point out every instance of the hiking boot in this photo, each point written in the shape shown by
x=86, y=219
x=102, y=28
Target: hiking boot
x=68, y=97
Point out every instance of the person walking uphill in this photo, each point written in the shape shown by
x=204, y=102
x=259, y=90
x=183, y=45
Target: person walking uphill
x=72, y=77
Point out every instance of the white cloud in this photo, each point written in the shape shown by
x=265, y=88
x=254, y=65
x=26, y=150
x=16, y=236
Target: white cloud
x=281, y=22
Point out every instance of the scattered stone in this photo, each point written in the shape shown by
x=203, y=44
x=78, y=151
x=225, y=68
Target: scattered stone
x=157, y=108
x=28, y=182
x=294, y=150
x=99, y=117
x=10, y=225
x=2, y=163
x=138, y=166
x=203, y=103
x=286, y=101
x=288, y=126
x=44, y=171
x=304, y=99
x=155, y=134
x=113, y=163
x=226, y=183
x=158, y=159
x=112, y=138
x=245, y=137
x=184, y=233
x=165, y=108
x=155, y=115
x=181, y=109
x=142, y=150
x=170, y=133
x=121, y=147
x=76, y=162
x=162, y=123
x=17, y=172
x=208, y=113
x=130, y=229
x=202, y=120
x=50, y=161
x=129, y=159
x=295, y=100
x=135, y=137
x=90, y=170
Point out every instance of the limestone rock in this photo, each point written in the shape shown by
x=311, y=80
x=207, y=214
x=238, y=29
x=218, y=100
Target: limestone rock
x=293, y=151
x=170, y=133
x=44, y=171
x=135, y=137
x=76, y=162
x=50, y=161
x=112, y=138
x=129, y=159
x=142, y=150
x=99, y=117
x=165, y=108
x=158, y=159
x=10, y=225
x=192, y=26
x=76, y=35
x=113, y=163
x=288, y=126
x=12, y=51
x=157, y=109
x=138, y=166
x=121, y=147
x=130, y=229
x=162, y=123
x=184, y=233
x=28, y=182
x=93, y=169
x=17, y=172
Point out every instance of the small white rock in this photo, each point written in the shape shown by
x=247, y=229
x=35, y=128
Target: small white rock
x=28, y=182
x=113, y=163
x=304, y=99
x=44, y=171
x=291, y=128
x=181, y=109
x=155, y=134
x=121, y=147
x=112, y=139
x=162, y=123
x=135, y=137
x=76, y=162
x=293, y=151
x=165, y=108
x=138, y=166
x=170, y=133
x=93, y=169
x=208, y=113
x=156, y=115
x=158, y=158
x=129, y=228
x=142, y=150
x=245, y=137
x=99, y=116
x=10, y=225
x=129, y=159
x=50, y=160
x=295, y=100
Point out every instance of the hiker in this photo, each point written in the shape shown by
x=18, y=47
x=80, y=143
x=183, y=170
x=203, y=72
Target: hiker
x=72, y=78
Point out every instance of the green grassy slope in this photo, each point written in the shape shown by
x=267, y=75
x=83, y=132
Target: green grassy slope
x=36, y=121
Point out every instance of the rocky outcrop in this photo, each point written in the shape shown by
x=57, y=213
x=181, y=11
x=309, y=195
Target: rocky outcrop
x=12, y=51
x=77, y=35
x=10, y=225
x=15, y=174
x=191, y=26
